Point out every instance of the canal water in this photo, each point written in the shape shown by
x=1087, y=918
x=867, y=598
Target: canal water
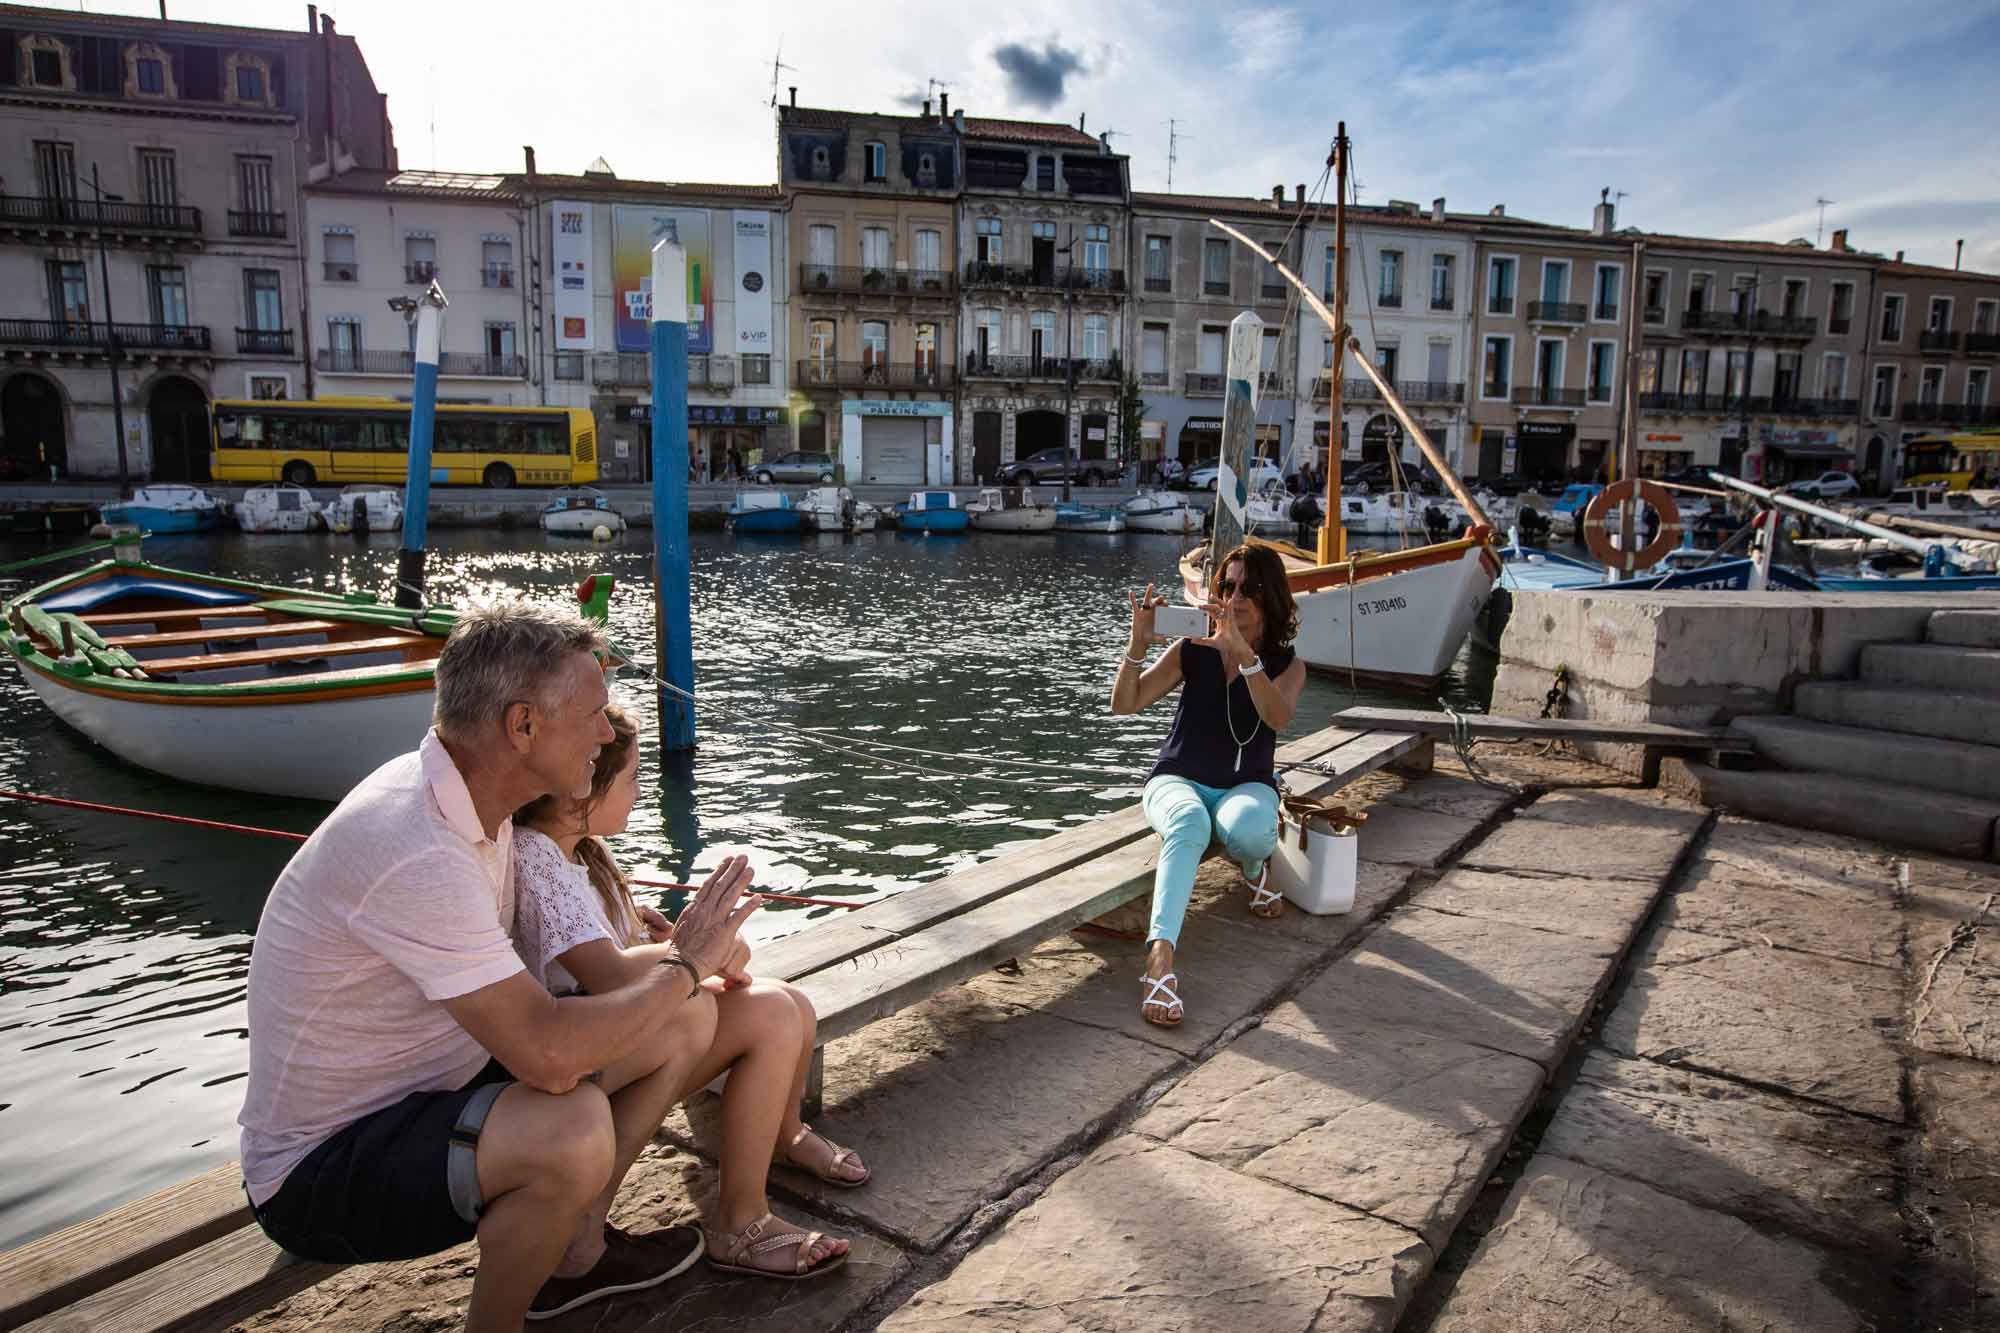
x=124, y=943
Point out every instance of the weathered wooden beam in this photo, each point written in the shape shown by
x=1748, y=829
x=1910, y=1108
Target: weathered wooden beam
x=1546, y=729
x=226, y=1280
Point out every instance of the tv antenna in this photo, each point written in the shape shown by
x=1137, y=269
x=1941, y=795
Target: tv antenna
x=1174, y=137
x=778, y=63
x=1822, y=202
x=931, y=86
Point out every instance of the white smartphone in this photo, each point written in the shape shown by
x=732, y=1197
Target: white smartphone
x=1180, y=622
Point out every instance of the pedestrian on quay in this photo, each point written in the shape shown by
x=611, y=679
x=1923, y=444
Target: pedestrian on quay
x=735, y=464
x=1215, y=776
x=579, y=930
x=412, y=1086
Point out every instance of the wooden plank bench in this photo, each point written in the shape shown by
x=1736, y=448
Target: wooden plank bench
x=191, y=1256
x=1656, y=734
x=274, y=629
x=305, y=652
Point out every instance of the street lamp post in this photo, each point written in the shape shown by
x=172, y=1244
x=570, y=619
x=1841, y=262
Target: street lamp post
x=111, y=337
x=1069, y=352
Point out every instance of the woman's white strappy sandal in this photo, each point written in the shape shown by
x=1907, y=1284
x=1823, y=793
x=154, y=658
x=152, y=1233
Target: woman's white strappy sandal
x=1160, y=996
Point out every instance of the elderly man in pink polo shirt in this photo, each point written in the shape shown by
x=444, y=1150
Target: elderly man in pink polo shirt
x=411, y=1084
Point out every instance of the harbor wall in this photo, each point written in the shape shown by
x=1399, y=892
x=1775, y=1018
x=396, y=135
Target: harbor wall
x=1692, y=658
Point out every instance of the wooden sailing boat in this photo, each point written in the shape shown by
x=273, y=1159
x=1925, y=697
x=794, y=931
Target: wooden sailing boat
x=1393, y=616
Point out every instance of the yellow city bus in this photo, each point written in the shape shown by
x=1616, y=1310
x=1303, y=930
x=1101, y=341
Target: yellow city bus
x=1952, y=460
x=337, y=440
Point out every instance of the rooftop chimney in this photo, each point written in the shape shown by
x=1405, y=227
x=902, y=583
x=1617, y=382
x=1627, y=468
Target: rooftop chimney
x=1840, y=240
x=958, y=120
x=312, y=18
x=1079, y=120
x=1899, y=256
x=794, y=90
x=1437, y=209
x=1277, y=195
x=927, y=108
x=1959, y=256
x=528, y=151
x=1602, y=221
x=944, y=105
x=1299, y=193
x=1497, y=211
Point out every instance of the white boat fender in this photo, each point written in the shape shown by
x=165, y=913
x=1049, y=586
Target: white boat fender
x=600, y=533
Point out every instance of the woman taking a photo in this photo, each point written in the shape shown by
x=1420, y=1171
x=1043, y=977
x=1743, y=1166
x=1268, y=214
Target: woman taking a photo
x=1239, y=686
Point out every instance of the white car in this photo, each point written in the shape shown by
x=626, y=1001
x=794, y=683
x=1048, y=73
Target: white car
x=1826, y=486
x=1204, y=478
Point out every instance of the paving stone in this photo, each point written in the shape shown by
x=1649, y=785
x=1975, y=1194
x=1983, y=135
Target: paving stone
x=1409, y=835
x=999, y=1090
x=665, y=1186
x=1523, y=767
x=1449, y=794
x=1955, y=1191
x=1818, y=1172
x=1815, y=1027
x=1856, y=921
x=1577, y=1249
x=1146, y=1237
x=1799, y=859
x=1603, y=810
x=1610, y=910
x=1486, y=983
x=1955, y=970
x=1226, y=972
x=1396, y=1123
x=1376, y=885
x=1556, y=848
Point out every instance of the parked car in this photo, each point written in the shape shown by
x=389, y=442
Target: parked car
x=798, y=465
x=1203, y=477
x=1826, y=486
x=1047, y=466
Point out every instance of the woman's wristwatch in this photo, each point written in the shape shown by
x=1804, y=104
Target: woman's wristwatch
x=1254, y=667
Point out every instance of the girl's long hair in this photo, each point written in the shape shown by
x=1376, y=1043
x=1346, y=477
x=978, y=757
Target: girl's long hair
x=606, y=876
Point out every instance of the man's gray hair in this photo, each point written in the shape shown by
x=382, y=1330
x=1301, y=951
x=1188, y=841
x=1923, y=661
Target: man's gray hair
x=503, y=654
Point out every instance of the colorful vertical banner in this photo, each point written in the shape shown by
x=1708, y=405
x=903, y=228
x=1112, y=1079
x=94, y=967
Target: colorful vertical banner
x=635, y=230
x=569, y=223
x=753, y=283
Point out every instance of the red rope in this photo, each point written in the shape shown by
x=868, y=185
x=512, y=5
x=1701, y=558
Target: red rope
x=222, y=826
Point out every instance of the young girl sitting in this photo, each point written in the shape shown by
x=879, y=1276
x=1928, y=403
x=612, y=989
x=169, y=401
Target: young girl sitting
x=577, y=928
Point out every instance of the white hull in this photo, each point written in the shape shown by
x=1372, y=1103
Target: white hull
x=1149, y=513
x=260, y=748
x=1108, y=525
x=1015, y=520
x=385, y=512
x=819, y=520
x=582, y=522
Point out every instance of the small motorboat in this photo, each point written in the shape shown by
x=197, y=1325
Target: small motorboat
x=1011, y=509
x=1383, y=514
x=1162, y=511
x=365, y=509
x=931, y=511
x=278, y=507
x=1074, y=517
x=834, y=509
x=580, y=513
x=765, y=512
x=166, y=509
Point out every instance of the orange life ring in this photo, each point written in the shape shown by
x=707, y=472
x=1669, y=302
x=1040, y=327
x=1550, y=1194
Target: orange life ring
x=1597, y=536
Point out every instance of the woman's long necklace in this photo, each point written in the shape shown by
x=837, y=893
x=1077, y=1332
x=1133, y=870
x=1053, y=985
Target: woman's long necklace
x=1258, y=721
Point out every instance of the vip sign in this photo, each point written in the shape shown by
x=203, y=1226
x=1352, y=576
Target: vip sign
x=753, y=283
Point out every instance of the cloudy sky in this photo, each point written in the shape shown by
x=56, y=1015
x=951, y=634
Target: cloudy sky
x=1720, y=119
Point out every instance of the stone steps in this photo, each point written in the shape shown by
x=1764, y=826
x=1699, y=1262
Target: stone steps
x=1965, y=629
x=1957, y=715
x=1931, y=666
x=1924, y=761
x=1890, y=812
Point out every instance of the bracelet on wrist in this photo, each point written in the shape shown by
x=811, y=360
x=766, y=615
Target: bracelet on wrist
x=1254, y=667
x=694, y=975
x=1139, y=662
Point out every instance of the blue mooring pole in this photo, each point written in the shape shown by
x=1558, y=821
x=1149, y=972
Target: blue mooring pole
x=674, y=614
x=417, y=481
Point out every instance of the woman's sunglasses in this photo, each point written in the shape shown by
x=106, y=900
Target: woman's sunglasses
x=1227, y=588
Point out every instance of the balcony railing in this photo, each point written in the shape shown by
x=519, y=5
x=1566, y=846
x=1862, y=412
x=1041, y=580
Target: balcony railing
x=92, y=215
x=1069, y=277
x=1761, y=323
x=1786, y=326
x=1712, y=321
x=865, y=279
x=1543, y=395
x=264, y=342
x=1390, y=300
x=340, y=270
x=374, y=361
x=421, y=272
x=1556, y=312
x=816, y=374
x=1982, y=344
x=1444, y=303
x=1204, y=384
x=1605, y=312
x=1040, y=367
x=496, y=275
x=1431, y=391
x=756, y=367
x=1839, y=323
x=1498, y=305
x=268, y=225
x=1951, y=414
x=567, y=367
x=1273, y=292
x=1152, y=377
x=1938, y=340
x=636, y=369
x=84, y=336
x=712, y=372
x=1273, y=382
x=1215, y=287
x=1655, y=314
x=1158, y=284
x=1735, y=405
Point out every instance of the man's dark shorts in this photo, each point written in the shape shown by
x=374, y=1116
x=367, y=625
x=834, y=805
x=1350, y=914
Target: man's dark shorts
x=398, y=1184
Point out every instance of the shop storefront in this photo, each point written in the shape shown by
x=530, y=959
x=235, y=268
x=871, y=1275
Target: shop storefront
x=902, y=442
x=720, y=439
x=1789, y=454
x=1664, y=452
x=1542, y=449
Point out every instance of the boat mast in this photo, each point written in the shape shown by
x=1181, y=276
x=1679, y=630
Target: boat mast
x=1332, y=535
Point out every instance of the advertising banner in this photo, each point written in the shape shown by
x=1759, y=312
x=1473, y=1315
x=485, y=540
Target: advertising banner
x=634, y=229
x=753, y=284
x=570, y=225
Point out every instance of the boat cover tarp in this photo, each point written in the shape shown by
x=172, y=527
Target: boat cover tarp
x=90, y=596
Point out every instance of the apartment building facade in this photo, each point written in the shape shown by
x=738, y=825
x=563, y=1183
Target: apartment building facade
x=1410, y=281
x=151, y=178
x=1933, y=347
x=1042, y=224
x=872, y=226
x=1189, y=282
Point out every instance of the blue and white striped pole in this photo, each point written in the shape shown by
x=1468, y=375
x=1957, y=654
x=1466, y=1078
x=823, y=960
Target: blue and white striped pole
x=417, y=481
x=674, y=614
